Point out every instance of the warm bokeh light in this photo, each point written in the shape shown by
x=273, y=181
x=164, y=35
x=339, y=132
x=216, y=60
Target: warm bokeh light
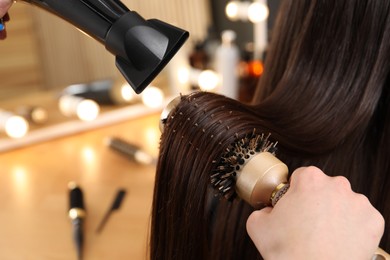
x=183, y=75
x=151, y=139
x=89, y=160
x=88, y=154
x=258, y=12
x=16, y=126
x=256, y=68
x=232, y=11
x=13, y=125
x=152, y=97
x=127, y=92
x=20, y=177
x=208, y=80
x=21, y=186
x=39, y=115
x=84, y=109
x=152, y=135
x=253, y=11
x=87, y=110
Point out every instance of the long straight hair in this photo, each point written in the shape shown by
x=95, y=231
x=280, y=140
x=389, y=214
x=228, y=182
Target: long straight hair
x=324, y=97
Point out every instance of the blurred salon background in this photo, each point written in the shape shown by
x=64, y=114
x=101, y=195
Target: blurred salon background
x=68, y=115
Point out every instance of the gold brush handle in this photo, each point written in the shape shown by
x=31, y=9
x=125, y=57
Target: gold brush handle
x=257, y=181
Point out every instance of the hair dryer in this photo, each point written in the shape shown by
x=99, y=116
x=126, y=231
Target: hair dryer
x=141, y=47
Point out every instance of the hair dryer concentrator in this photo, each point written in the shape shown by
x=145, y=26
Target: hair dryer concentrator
x=141, y=47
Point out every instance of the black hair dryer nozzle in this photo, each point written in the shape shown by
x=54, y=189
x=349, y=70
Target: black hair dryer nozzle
x=141, y=47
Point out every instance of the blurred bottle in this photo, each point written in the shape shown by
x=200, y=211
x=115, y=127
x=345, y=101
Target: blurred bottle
x=210, y=45
x=250, y=71
x=226, y=63
x=198, y=60
x=198, y=57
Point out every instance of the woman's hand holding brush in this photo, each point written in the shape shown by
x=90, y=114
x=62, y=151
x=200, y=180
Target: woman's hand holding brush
x=320, y=217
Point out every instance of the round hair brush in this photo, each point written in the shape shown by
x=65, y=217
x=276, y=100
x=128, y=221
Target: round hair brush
x=247, y=168
x=250, y=169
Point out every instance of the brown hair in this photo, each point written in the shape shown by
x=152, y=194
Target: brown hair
x=324, y=97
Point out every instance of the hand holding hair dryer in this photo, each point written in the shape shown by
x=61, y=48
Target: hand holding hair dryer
x=141, y=47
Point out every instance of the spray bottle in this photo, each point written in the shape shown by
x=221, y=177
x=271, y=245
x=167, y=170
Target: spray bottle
x=227, y=58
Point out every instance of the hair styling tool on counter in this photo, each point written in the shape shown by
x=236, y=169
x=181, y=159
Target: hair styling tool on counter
x=103, y=92
x=248, y=166
x=98, y=91
x=115, y=206
x=131, y=151
x=77, y=214
x=141, y=47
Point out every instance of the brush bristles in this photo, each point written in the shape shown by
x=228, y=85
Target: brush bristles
x=224, y=175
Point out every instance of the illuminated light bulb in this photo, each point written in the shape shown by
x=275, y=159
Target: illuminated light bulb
x=255, y=12
x=34, y=114
x=236, y=10
x=127, y=92
x=121, y=93
x=258, y=12
x=16, y=127
x=84, y=109
x=13, y=125
x=256, y=68
x=39, y=115
x=208, y=80
x=183, y=75
x=87, y=110
x=231, y=10
x=152, y=97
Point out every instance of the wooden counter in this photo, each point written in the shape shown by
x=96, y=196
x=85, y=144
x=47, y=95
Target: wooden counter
x=34, y=195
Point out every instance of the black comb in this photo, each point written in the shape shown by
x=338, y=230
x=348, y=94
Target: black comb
x=115, y=206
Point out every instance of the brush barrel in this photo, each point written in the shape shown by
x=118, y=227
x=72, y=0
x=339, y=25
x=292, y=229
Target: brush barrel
x=259, y=178
x=165, y=113
x=380, y=254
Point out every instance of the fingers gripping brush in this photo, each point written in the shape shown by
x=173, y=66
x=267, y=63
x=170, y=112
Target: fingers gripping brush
x=259, y=178
x=247, y=166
